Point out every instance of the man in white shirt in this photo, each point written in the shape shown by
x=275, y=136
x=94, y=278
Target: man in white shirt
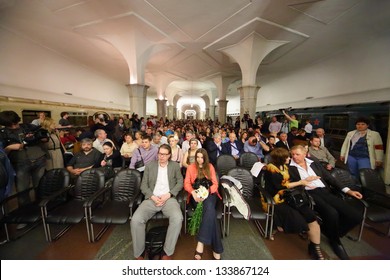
x=161, y=183
x=308, y=129
x=101, y=138
x=338, y=217
x=275, y=126
x=186, y=144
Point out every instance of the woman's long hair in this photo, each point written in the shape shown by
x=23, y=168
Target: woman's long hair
x=205, y=169
x=279, y=156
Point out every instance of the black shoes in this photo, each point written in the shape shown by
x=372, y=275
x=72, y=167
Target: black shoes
x=338, y=248
x=315, y=251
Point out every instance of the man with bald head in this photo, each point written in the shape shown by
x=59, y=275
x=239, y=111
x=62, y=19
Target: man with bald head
x=233, y=147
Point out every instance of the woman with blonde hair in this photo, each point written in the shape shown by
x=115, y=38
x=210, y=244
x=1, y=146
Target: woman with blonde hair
x=53, y=146
x=177, y=153
x=138, y=138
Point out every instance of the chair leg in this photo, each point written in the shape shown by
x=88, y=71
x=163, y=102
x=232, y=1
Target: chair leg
x=362, y=224
x=88, y=224
x=228, y=222
x=388, y=231
x=6, y=232
x=271, y=222
x=185, y=219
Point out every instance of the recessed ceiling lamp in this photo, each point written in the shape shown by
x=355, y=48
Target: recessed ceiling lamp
x=68, y=93
x=309, y=97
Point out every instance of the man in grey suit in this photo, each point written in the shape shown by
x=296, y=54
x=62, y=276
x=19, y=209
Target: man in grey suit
x=161, y=183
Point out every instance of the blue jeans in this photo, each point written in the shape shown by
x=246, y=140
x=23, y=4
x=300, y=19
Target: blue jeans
x=356, y=163
x=30, y=170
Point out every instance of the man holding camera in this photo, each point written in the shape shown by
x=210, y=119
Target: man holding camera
x=246, y=121
x=24, y=147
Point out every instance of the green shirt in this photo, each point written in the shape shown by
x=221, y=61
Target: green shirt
x=294, y=123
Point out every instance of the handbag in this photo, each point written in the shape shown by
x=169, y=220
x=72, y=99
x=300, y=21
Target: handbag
x=296, y=197
x=139, y=165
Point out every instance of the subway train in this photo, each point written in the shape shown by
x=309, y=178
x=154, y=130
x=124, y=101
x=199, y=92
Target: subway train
x=79, y=116
x=338, y=120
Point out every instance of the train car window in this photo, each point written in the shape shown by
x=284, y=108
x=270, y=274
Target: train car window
x=78, y=118
x=29, y=115
x=336, y=121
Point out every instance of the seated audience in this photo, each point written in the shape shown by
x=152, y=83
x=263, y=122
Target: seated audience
x=186, y=144
x=233, y=147
x=101, y=138
x=189, y=155
x=287, y=218
x=214, y=148
x=283, y=143
x=255, y=146
x=177, y=153
x=87, y=158
x=321, y=153
x=326, y=141
x=111, y=157
x=128, y=146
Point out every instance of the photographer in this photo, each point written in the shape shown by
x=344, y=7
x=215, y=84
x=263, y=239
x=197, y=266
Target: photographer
x=23, y=144
x=246, y=121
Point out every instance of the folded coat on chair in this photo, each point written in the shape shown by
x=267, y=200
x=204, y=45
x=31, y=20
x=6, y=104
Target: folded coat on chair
x=233, y=187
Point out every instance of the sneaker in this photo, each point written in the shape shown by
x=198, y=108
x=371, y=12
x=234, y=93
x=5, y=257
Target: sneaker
x=21, y=226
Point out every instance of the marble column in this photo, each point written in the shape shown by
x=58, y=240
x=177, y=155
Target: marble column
x=171, y=110
x=137, y=94
x=161, y=108
x=222, y=110
x=212, y=112
x=248, y=99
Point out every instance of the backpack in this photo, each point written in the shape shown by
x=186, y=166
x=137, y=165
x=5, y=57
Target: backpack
x=154, y=242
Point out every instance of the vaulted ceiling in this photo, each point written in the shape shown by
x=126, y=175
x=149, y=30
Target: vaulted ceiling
x=181, y=40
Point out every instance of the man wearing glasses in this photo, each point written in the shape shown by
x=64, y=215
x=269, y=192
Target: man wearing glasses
x=161, y=183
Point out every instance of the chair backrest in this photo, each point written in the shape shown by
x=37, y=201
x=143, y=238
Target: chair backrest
x=245, y=177
x=88, y=183
x=248, y=159
x=343, y=177
x=126, y=184
x=52, y=181
x=372, y=181
x=225, y=163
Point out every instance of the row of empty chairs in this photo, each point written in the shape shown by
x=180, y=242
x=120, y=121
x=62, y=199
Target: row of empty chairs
x=92, y=199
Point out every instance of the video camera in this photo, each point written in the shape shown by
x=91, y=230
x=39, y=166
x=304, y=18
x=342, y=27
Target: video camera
x=28, y=136
x=286, y=109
